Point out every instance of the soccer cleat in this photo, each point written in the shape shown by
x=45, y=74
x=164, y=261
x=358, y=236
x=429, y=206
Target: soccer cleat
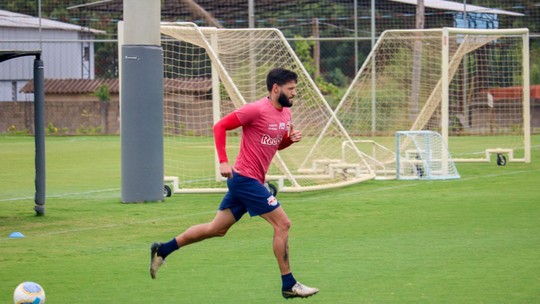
x=299, y=290
x=155, y=260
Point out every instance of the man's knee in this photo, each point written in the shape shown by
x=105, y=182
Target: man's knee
x=215, y=231
x=221, y=232
x=284, y=225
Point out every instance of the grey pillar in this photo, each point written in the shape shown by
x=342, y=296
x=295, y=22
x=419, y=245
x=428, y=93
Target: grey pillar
x=142, y=123
x=141, y=103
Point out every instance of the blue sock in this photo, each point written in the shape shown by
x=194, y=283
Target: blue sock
x=167, y=248
x=288, y=281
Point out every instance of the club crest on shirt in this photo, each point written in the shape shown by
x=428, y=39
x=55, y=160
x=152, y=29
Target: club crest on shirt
x=272, y=201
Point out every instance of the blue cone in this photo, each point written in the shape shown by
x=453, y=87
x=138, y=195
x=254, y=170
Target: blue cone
x=16, y=235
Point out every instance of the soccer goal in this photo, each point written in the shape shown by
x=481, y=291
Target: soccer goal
x=423, y=155
x=471, y=86
x=208, y=73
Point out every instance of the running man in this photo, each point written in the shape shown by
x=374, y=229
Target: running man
x=266, y=128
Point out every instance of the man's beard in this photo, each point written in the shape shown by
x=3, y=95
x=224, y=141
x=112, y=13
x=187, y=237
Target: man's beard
x=284, y=100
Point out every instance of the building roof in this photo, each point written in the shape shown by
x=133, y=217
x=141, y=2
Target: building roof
x=513, y=92
x=459, y=7
x=16, y=20
x=89, y=86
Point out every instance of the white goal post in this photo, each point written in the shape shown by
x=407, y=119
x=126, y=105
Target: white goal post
x=211, y=71
x=471, y=86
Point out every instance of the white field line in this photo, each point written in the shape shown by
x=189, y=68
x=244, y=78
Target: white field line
x=419, y=183
x=131, y=223
x=59, y=195
x=109, y=226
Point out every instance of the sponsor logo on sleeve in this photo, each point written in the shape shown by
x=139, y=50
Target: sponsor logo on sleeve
x=272, y=201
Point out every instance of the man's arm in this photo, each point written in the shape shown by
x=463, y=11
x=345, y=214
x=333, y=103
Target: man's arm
x=228, y=122
x=291, y=137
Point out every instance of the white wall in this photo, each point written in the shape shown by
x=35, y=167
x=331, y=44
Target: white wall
x=62, y=54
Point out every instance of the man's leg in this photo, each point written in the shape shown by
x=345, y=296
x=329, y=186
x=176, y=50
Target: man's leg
x=281, y=223
x=218, y=227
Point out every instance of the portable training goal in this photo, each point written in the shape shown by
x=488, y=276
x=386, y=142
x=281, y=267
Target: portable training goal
x=471, y=86
x=423, y=155
x=211, y=71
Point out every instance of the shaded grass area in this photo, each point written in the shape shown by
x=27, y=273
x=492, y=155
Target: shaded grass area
x=471, y=240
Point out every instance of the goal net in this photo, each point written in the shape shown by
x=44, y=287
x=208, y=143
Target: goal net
x=471, y=86
x=209, y=72
x=423, y=155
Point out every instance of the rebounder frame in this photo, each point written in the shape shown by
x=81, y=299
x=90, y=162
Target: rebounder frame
x=39, y=123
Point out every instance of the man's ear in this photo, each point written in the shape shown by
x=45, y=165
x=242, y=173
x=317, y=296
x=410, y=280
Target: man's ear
x=275, y=88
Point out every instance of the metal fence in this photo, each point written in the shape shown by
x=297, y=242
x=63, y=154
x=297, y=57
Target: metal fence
x=333, y=36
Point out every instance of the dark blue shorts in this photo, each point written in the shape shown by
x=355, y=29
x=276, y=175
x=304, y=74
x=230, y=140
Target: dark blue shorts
x=246, y=194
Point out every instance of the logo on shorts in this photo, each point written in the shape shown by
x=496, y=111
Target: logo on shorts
x=272, y=201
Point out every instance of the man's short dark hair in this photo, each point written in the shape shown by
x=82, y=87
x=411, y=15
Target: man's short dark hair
x=280, y=77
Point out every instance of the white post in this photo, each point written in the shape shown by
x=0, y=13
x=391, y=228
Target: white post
x=526, y=99
x=216, y=99
x=373, y=74
x=444, y=85
x=444, y=100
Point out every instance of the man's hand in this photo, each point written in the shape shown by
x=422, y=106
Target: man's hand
x=295, y=135
x=225, y=169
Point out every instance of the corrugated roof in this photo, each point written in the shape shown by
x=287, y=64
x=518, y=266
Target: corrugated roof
x=16, y=20
x=89, y=86
x=459, y=7
x=513, y=92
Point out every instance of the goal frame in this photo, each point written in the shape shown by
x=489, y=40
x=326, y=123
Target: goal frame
x=443, y=99
x=524, y=33
x=219, y=74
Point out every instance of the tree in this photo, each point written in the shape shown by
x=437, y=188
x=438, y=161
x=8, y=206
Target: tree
x=104, y=96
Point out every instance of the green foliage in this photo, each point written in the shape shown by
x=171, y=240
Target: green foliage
x=337, y=77
x=303, y=49
x=535, y=64
x=53, y=130
x=103, y=94
x=12, y=130
x=89, y=130
x=106, y=60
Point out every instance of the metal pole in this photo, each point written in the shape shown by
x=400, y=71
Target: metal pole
x=39, y=132
x=373, y=74
x=464, y=73
x=251, y=13
x=39, y=26
x=356, y=63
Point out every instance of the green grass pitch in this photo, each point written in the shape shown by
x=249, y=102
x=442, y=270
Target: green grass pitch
x=470, y=240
